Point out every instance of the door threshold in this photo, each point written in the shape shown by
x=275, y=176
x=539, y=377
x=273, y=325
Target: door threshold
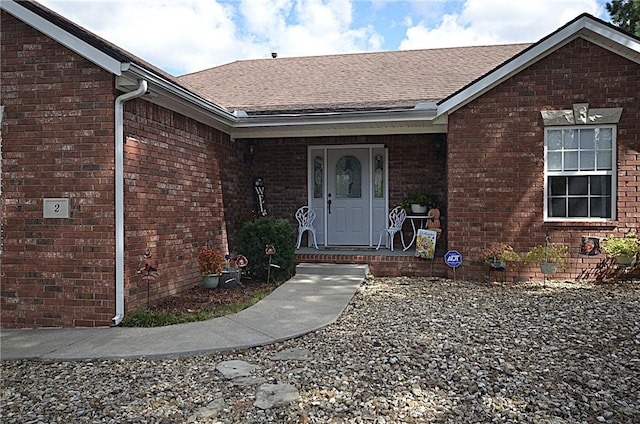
x=349, y=248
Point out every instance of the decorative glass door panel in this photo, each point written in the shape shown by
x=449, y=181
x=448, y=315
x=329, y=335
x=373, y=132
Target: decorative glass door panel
x=348, y=196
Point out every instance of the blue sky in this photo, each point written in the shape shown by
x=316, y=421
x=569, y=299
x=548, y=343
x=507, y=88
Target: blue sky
x=183, y=36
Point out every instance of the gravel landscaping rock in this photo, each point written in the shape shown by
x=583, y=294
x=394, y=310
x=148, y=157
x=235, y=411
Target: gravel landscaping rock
x=406, y=350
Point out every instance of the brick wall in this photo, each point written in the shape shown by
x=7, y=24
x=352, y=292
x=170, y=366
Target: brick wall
x=58, y=141
x=175, y=198
x=495, y=157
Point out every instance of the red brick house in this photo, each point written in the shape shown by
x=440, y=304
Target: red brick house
x=105, y=156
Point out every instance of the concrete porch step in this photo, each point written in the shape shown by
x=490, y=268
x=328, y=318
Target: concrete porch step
x=358, y=270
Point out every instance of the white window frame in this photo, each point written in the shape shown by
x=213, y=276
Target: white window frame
x=612, y=172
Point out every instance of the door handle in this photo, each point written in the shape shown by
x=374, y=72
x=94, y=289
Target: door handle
x=329, y=203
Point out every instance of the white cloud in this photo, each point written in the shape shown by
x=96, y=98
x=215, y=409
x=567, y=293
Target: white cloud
x=308, y=27
x=177, y=35
x=482, y=22
x=182, y=36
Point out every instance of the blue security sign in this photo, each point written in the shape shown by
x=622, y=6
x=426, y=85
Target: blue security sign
x=453, y=258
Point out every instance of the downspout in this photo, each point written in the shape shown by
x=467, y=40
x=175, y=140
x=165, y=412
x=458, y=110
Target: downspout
x=119, y=188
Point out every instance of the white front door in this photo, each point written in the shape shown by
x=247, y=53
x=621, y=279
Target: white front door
x=348, y=190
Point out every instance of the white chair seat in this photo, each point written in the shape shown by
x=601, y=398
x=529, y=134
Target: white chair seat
x=396, y=219
x=305, y=216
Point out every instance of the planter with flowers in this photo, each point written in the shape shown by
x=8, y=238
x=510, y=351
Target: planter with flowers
x=496, y=255
x=550, y=257
x=211, y=263
x=623, y=249
x=419, y=202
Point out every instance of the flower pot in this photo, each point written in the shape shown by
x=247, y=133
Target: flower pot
x=549, y=268
x=625, y=260
x=230, y=278
x=498, y=263
x=210, y=281
x=418, y=209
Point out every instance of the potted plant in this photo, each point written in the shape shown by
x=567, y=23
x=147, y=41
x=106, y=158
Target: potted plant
x=211, y=263
x=497, y=255
x=623, y=249
x=419, y=202
x=549, y=256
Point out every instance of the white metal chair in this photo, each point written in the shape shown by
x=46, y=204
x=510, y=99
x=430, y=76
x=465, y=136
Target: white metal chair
x=396, y=219
x=305, y=216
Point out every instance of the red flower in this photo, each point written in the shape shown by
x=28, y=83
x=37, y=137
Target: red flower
x=211, y=261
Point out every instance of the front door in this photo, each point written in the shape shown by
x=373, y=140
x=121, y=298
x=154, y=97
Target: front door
x=348, y=195
x=348, y=192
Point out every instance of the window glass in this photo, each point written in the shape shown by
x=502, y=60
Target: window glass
x=600, y=206
x=601, y=185
x=604, y=139
x=571, y=161
x=578, y=207
x=317, y=176
x=605, y=160
x=557, y=207
x=587, y=140
x=579, y=186
x=378, y=177
x=558, y=186
x=554, y=161
x=554, y=140
x=348, y=177
x=587, y=160
x=570, y=141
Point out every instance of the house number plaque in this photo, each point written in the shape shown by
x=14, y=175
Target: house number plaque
x=55, y=208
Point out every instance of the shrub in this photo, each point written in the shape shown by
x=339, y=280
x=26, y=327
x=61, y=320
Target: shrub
x=497, y=251
x=255, y=235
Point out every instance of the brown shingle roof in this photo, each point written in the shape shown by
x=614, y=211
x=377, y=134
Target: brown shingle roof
x=364, y=81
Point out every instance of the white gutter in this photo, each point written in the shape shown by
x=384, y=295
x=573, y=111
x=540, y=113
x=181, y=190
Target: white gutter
x=119, y=183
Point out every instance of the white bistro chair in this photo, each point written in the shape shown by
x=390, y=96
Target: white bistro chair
x=305, y=216
x=396, y=219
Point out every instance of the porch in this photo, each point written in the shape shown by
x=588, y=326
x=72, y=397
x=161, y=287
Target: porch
x=382, y=263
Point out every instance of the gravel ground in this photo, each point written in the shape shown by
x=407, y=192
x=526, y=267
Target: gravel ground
x=406, y=350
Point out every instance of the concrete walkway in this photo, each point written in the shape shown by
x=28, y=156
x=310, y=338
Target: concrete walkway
x=314, y=298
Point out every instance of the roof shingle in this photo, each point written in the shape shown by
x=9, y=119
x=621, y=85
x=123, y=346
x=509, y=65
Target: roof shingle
x=363, y=81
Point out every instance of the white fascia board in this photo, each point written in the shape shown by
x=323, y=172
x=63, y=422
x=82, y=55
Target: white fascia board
x=612, y=40
x=380, y=122
x=338, y=130
x=85, y=50
x=337, y=118
x=536, y=52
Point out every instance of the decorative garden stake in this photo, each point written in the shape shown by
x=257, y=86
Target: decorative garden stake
x=148, y=268
x=241, y=261
x=270, y=251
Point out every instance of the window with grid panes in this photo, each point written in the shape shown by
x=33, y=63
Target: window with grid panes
x=579, y=172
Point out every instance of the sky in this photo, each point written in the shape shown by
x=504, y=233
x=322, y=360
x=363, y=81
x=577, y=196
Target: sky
x=184, y=36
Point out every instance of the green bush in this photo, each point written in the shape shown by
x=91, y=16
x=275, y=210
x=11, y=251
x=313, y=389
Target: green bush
x=254, y=237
